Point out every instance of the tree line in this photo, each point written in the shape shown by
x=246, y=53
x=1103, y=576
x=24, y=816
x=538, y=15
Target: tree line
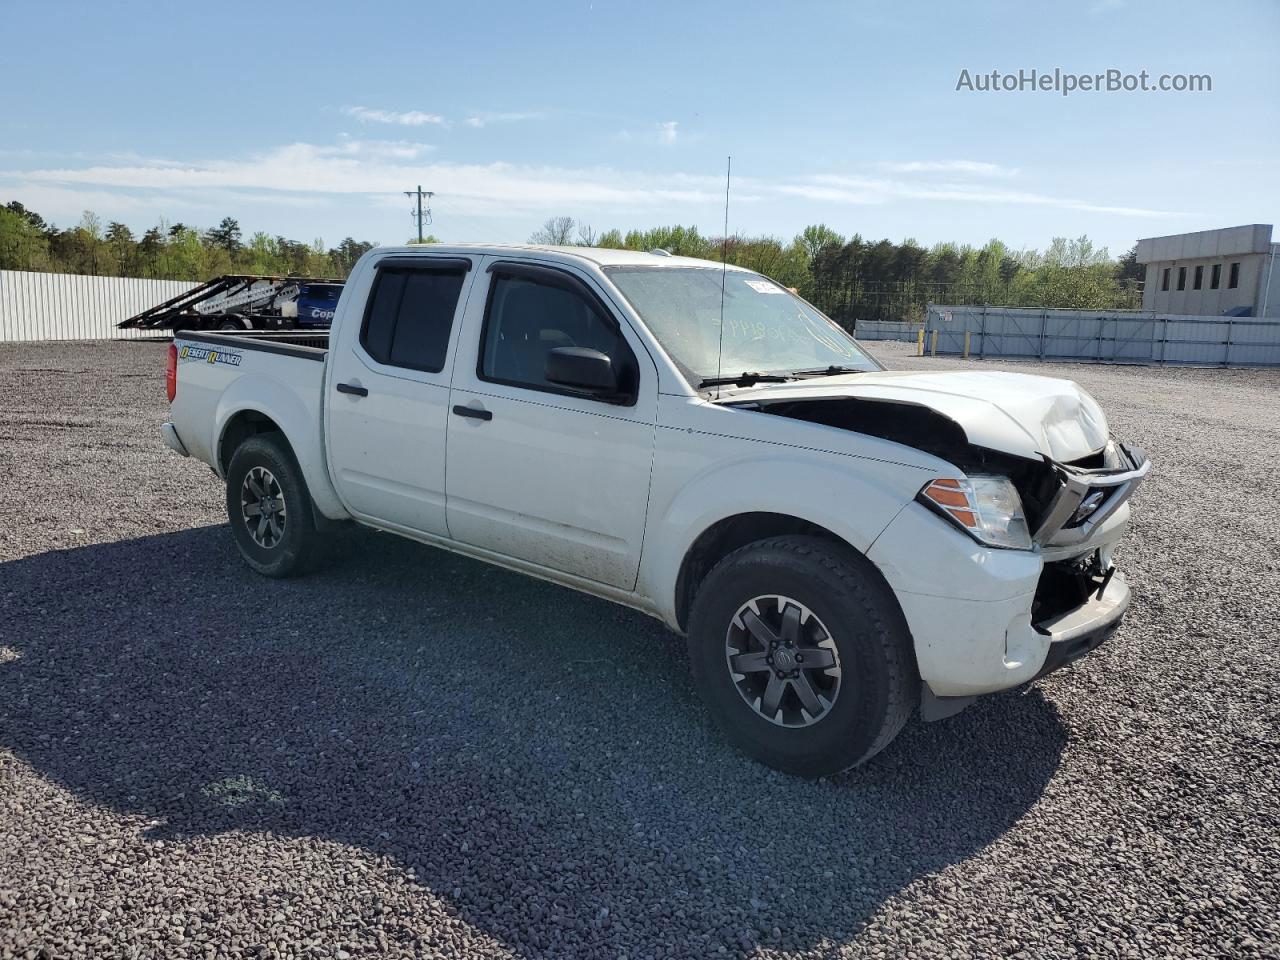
x=164, y=252
x=850, y=278
x=853, y=278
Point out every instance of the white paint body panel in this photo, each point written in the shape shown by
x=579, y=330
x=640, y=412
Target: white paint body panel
x=609, y=499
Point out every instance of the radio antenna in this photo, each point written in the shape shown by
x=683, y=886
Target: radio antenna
x=724, y=269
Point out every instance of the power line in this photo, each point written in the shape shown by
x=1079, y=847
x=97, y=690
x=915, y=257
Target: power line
x=420, y=193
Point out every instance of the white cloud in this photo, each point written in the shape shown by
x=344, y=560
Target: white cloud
x=667, y=131
x=387, y=167
x=406, y=118
x=377, y=170
x=968, y=167
x=870, y=190
x=484, y=119
x=388, y=149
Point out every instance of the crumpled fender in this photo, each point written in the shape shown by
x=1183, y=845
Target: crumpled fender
x=854, y=499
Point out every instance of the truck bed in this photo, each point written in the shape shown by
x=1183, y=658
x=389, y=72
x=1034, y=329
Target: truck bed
x=218, y=375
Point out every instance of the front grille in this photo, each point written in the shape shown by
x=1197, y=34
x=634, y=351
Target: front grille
x=1095, y=498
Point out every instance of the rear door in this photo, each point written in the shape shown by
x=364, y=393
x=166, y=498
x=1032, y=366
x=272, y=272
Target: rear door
x=387, y=408
x=537, y=471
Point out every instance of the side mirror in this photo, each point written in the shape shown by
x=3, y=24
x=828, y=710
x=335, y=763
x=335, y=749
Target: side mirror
x=583, y=368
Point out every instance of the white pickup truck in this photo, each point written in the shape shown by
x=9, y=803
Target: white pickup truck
x=839, y=543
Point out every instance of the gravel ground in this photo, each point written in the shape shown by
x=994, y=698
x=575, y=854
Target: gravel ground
x=412, y=754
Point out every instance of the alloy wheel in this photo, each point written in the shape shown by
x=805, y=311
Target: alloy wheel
x=262, y=507
x=783, y=661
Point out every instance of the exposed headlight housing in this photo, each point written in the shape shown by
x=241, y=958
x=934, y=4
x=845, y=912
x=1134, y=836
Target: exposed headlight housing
x=987, y=508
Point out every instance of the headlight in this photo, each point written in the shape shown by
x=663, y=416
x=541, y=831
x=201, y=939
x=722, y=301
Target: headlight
x=987, y=508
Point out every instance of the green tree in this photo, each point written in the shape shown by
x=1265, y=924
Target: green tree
x=225, y=235
x=817, y=237
x=23, y=245
x=122, y=246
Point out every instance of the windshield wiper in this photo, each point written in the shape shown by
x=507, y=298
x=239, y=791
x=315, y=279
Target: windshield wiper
x=745, y=380
x=832, y=371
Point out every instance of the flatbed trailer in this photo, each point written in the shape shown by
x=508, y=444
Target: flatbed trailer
x=241, y=302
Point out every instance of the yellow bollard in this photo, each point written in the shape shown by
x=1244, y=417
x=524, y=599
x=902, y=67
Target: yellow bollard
x=920, y=343
x=966, y=344
x=933, y=344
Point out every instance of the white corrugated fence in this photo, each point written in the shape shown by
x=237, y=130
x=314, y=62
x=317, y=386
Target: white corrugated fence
x=1104, y=336
x=64, y=306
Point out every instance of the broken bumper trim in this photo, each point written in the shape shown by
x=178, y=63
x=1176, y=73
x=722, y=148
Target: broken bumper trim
x=1071, y=636
x=1082, y=630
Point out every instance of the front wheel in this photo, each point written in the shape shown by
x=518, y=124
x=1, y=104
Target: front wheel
x=802, y=655
x=270, y=509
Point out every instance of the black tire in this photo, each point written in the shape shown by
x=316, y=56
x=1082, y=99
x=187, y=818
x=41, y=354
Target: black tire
x=291, y=547
x=877, y=686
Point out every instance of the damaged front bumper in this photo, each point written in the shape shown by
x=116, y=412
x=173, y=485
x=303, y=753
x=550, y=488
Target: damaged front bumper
x=985, y=619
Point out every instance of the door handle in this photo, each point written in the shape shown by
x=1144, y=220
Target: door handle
x=352, y=389
x=475, y=413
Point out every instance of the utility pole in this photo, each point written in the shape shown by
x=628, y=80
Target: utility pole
x=419, y=194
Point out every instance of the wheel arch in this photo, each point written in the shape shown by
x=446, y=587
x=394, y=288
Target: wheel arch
x=253, y=405
x=240, y=427
x=734, y=532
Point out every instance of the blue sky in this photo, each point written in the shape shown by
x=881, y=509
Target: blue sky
x=307, y=120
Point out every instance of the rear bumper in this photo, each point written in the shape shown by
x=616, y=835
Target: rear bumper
x=169, y=434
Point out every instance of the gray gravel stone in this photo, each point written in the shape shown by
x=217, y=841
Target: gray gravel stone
x=411, y=754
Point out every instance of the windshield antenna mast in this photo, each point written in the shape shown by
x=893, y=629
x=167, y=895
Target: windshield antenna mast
x=724, y=269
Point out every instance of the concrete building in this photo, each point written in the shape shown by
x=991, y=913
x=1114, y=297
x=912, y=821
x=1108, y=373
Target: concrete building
x=1212, y=272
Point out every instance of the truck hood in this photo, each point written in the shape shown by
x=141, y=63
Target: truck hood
x=1020, y=414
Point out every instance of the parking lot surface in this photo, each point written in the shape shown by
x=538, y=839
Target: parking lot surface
x=414, y=754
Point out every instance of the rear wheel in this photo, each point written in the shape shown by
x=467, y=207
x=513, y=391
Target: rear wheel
x=802, y=655
x=270, y=509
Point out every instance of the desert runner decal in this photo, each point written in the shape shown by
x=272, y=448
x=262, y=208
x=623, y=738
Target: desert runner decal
x=191, y=353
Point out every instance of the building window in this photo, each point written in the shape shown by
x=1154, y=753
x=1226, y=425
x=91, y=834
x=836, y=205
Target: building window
x=1164, y=279
x=1182, y=278
x=1233, y=279
x=1215, y=276
x=1199, y=281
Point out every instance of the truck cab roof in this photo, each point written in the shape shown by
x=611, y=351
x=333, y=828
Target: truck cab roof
x=600, y=256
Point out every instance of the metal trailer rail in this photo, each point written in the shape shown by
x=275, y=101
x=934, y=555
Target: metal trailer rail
x=235, y=290
x=1101, y=336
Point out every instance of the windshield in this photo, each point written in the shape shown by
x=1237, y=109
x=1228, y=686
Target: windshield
x=767, y=330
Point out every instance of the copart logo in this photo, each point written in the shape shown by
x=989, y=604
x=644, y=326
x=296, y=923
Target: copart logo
x=228, y=357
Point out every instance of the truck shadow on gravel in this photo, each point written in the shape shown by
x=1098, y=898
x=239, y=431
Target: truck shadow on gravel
x=535, y=756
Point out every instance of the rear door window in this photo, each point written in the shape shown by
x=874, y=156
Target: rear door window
x=410, y=316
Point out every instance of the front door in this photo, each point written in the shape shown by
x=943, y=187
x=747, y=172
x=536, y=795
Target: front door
x=551, y=475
